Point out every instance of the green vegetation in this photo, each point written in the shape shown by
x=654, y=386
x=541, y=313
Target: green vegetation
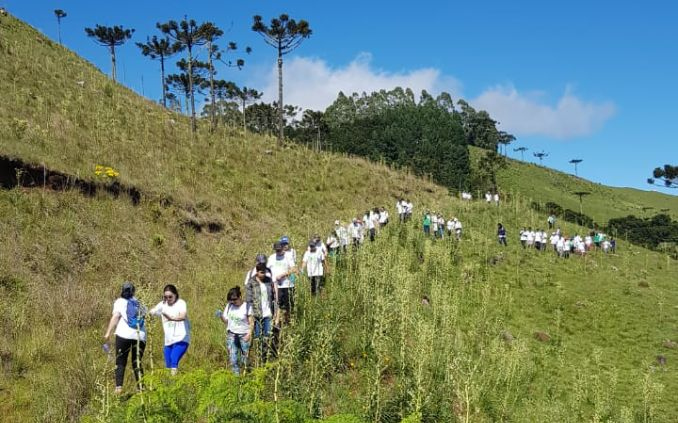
x=390, y=126
x=544, y=185
x=368, y=350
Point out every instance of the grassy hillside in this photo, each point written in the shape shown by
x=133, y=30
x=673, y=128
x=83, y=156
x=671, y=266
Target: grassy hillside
x=368, y=347
x=543, y=185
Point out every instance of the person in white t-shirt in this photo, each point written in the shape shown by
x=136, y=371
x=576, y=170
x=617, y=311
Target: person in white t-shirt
x=495, y=197
x=332, y=244
x=355, y=232
x=383, y=217
x=176, y=326
x=314, y=264
x=434, y=224
x=130, y=334
x=289, y=251
x=282, y=268
x=538, y=239
x=457, y=228
x=409, y=207
x=530, y=238
x=239, y=324
x=554, y=241
x=342, y=235
x=450, y=227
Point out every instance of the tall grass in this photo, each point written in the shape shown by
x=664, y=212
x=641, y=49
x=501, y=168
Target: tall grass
x=368, y=347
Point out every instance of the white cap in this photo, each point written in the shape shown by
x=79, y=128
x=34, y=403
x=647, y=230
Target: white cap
x=336, y=222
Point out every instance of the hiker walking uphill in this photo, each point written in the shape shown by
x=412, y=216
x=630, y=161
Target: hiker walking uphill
x=259, y=294
x=314, y=263
x=239, y=322
x=501, y=234
x=127, y=322
x=175, y=325
x=282, y=269
x=426, y=223
x=259, y=259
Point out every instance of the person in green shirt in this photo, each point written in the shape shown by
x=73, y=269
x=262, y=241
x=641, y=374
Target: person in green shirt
x=427, y=224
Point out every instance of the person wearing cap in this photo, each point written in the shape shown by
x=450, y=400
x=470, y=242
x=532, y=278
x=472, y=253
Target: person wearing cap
x=282, y=267
x=314, y=263
x=318, y=243
x=259, y=293
x=261, y=258
x=289, y=251
x=130, y=334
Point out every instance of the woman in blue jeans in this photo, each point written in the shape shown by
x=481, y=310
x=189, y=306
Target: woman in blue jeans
x=176, y=326
x=259, y=295
x=239, y=323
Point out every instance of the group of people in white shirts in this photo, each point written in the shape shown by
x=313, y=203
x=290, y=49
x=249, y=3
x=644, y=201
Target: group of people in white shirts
x=404, y=209
x=490, y=197
x=563, y=245
x=269, y=289
x=436, y=225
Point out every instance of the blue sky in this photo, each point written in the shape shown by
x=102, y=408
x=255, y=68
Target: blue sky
x=577, y=79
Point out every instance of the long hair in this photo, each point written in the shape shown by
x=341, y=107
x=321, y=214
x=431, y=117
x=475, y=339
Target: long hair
x=173, y=289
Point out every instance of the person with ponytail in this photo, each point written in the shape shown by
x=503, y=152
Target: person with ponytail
x=239, y=325
x=127, y=322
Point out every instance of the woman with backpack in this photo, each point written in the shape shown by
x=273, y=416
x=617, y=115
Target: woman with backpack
x=127, y=322
x=176, y=326
x=239, y=323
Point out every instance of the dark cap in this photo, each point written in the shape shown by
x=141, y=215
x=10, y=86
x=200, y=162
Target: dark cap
x=261, y=258
x=312, y=244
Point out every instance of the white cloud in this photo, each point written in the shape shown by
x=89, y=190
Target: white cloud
x=527, y=114
x=313, y=84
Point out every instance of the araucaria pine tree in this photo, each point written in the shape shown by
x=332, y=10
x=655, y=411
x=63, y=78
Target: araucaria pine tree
x=188, y=35
x=111, y=37
x=60, y=14
x=285, y=35
x=159, y=49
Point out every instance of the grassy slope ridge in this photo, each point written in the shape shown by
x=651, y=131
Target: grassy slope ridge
x=64, y=251
x=542, y=185
x=64, y=257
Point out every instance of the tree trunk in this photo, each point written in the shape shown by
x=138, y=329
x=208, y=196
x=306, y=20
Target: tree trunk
x=190, y=88
x=213, y=112
x=244, y=123
x=113, y=61
x=162, y=76
x=281, y=129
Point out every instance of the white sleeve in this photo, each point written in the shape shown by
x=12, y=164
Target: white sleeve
x=157, y=310
x=181, y=306
x=119, y=307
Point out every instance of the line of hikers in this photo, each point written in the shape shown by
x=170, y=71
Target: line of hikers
x=268, y=302
x=434, y=224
